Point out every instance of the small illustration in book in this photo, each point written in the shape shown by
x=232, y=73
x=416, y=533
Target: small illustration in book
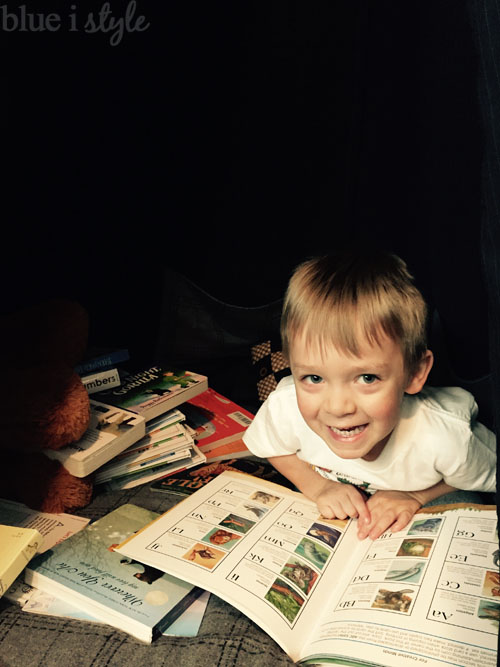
x=265, y=498
x=285, y=599
x=300, y=574
x=325, y=534
x=489, y=611
x=222, y=538
x=398, y=600
x=491, y=584
x=142, y=572
x=339, y=523
x=205, y=556
x=417, y=547
x=408, y=570
x=237, y=523
x=425, y=527
x=112, y=421
x=316, y=554
x=253, y=510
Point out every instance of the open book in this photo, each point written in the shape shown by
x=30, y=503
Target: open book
x=427, y=594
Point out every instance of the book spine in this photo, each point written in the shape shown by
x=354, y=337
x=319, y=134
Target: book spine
x=102, y=362
x=103, y=380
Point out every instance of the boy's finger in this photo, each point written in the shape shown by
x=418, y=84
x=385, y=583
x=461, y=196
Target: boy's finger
x=364, y=517
x=402, y=521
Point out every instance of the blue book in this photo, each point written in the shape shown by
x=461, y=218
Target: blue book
x=103, y=361
x=86, y=572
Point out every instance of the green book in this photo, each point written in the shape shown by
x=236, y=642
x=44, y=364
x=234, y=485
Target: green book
x=86, y=572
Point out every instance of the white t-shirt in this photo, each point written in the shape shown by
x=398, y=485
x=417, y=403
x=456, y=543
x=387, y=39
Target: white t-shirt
x=436, y=438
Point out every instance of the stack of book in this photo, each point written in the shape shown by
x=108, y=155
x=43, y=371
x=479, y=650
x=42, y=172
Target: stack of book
x=138, y=423
x=153, y=423
x=167, y=447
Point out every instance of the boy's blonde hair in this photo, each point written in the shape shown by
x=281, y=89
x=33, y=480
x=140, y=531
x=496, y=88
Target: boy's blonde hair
x=335, y=299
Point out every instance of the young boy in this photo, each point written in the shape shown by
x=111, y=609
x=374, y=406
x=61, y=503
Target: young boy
x=354, y=428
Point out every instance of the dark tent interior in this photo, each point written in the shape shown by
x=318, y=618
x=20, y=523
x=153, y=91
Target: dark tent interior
x=229, y=141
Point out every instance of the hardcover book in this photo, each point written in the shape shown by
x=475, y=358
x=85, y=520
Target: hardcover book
x=110, y=431
x=86, y=572
x=219, y=425
x=18, y=546
x=186, y=482
x=426, y=594
x=155, y=390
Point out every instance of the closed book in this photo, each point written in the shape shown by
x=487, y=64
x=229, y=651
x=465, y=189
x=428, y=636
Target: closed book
x=106, y=379
x=156, y=390
x=218, y=422
x=99, y=362
x=110, y=431
x=18, y=546
x=186, y=482
x=86, y=572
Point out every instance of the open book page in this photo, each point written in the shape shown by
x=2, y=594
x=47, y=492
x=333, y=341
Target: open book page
x=429, y=593
x=257, y=545
x=428, y=590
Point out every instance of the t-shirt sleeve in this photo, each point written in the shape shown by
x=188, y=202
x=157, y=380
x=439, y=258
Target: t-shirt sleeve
x=474, y=468
x=271, y=432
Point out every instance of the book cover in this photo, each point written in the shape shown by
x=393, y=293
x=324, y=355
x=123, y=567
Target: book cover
x=155, y=390
x=110, y=431
x=186, y=482
x=101, y=380
x=187, y=625
x=217, y=421
x=101, y=361
x=86, y=572
x=18, y=546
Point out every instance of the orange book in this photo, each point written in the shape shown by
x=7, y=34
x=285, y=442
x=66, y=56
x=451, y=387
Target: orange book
x=218, y=424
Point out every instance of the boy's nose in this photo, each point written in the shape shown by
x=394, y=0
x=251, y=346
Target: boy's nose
x=338, y=403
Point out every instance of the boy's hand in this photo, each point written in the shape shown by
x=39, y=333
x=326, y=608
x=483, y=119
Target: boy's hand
x=339, y=501
x=388, y=509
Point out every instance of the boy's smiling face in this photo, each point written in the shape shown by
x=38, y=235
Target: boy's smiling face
x=352, y=402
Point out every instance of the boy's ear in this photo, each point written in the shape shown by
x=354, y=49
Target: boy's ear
x=420, y=377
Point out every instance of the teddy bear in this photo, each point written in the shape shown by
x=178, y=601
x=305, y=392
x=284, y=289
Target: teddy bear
x=43, y=403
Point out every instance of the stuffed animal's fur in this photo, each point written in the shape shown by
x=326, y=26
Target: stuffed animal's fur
x=43, y=404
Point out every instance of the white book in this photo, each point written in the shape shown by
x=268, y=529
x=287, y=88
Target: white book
x=110, y=431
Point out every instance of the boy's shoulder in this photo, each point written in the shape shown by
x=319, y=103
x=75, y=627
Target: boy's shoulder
x=448, y=402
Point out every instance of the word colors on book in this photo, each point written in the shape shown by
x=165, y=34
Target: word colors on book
x=154, y=391
x=110, y=431
x=429, y=591
x=86, y=572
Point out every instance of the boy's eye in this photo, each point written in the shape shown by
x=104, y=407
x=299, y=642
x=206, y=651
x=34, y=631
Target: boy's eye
x=313, y=379
x=368, y=378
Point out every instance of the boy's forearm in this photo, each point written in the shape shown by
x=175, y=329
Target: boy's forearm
x=426, y=495
x=300, y=473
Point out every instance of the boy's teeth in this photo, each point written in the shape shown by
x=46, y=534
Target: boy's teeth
x=347, y=431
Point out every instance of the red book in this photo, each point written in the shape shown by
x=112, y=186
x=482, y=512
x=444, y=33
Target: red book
x=219, y=425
